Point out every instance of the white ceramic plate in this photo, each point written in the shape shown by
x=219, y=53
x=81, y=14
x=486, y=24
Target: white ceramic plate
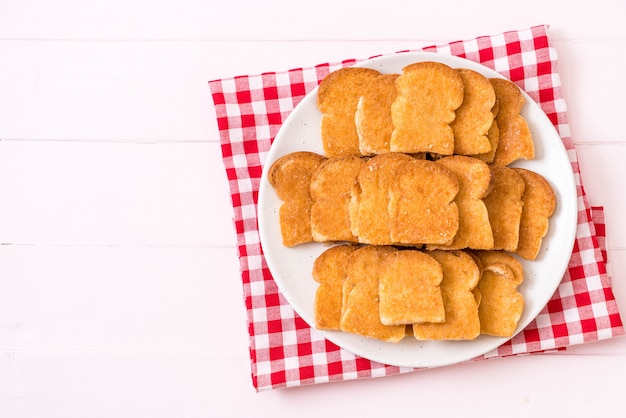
x=291, y=267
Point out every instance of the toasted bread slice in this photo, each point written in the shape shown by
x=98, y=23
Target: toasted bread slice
x=504, y=204
x=475, y=181
x=477, y=295
x=409, y=289
x=421, y=204
x=501, y=304
x=373, y=115
x=372, y=198
x=290, y=177
x=360, y=308
x=331, y=188
x=460, y=278
x=493, y=135
x=337, y=98
x=486, y=258
x=515, y=140
x=428, y=93
x=539, y=205
x=474, y=117
x=329, y=270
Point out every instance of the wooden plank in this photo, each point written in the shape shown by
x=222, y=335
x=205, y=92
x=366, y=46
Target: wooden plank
x=148, y=299
x=599, y=164
x=281, y=19
x=103, y=193
x=158, y=91
x=128, y=384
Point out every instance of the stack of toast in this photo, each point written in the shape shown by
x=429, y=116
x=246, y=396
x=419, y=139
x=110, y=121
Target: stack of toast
x=416, y=190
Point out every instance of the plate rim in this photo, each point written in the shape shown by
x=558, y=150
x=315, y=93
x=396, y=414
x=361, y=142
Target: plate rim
x=379, y=62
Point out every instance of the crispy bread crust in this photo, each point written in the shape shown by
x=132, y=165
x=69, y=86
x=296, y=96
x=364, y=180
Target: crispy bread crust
x=460, y=278
x=329, y=270
x=421, y=204
x=371, y=198
x=360, y=314
x=474, y=117
x=409, y=289
x=501, y=304
x=475, y=182
x=331, y=188
x=516, y=140
x=290, y=177
x=337, y=98
x=539, y=205
x=428, y=93
x=373, y=115
x=504, y=204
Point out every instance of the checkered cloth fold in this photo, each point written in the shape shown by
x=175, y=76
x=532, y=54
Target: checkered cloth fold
x=284, y=350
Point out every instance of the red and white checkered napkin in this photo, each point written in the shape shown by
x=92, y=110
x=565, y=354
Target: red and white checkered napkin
x=284, y=350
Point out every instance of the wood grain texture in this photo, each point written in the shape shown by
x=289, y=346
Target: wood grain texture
x=119, y=281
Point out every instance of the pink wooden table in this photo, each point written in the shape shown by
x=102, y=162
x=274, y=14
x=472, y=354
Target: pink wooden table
x=120, y=292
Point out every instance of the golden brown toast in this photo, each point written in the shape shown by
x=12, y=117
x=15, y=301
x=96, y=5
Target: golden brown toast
x=493, y=135
x=475, y=181
x=290, y=177
x=460, y=278
x=331, y=188
x=337, y=98
x=373, y=115
x=474, y=117
x=486, y=258
x=504, y=204
x=416, y=167
x=421, y=204
x=329, y=270
x=409, y=289
x=539, y=205
x=360, y=310
x=515, y=140
x=501, y=304
x=428, y=94
x=371, y=198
